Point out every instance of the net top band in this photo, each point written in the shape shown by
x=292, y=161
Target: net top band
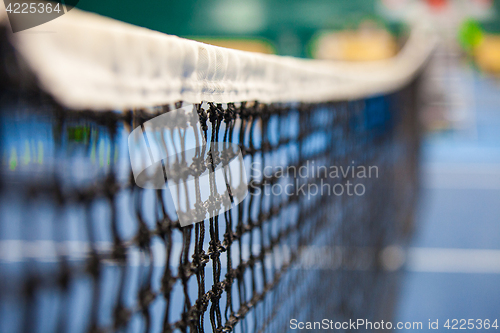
x=86, y=61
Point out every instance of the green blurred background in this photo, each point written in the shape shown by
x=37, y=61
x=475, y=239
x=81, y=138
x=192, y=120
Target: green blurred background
x=288, y=25
x=291, y=27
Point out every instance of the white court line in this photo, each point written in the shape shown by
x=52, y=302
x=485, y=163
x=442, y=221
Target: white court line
x=461, y=176
x=441, y=260
x=429, y=260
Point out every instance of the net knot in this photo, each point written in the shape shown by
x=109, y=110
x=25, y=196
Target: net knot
x=146, y=297
x=167, y=282
x=215, y=248
x=119, y=251
x=213, y=204
x=244, y=112
x=230, y=113
x=93, y=265
x=216, y=112
x=122, y=316
x=217, y=290
x=198, y=166
x=202, y=115
x=143, y=236
x=199, y=210
x=200, y=260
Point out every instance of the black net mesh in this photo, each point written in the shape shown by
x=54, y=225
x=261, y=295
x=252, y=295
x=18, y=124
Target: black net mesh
x=83, y=249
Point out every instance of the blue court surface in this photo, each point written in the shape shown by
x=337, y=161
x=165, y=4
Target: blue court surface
x=455, y=271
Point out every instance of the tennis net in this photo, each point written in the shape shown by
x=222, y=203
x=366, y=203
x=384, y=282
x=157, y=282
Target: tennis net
x=84, y=249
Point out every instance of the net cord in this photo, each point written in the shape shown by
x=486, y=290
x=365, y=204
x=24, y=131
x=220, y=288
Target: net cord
x=121, y=66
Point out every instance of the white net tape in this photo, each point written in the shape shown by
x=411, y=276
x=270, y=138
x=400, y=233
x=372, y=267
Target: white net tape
x=86, y=61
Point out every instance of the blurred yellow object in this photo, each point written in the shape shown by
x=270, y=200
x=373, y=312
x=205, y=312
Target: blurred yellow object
x=249, y=45
x=361, y=45
x=487, y=54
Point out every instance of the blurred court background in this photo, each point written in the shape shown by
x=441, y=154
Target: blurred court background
x=453, y=266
